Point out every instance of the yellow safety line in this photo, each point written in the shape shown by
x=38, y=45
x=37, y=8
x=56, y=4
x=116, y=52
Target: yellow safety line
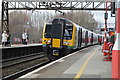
x=84, y=66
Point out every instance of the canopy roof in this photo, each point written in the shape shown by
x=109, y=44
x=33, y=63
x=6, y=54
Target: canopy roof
x=59, y=0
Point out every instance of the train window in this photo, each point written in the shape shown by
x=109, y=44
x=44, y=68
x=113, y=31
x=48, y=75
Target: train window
x=67, y=35
x=68, y=32
x=57, y=30
x=48, y=31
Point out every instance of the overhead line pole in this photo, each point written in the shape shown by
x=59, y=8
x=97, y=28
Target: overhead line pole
x=105, y=35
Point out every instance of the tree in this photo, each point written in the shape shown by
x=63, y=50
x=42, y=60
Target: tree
x=0, y=31
x=82, y=18
x=18, y=22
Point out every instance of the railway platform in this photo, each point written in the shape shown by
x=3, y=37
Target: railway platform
x=19, y=45
x=85, y=63
x=20, y=50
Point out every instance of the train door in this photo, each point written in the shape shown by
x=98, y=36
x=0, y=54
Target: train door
x=86, y=37
x=97, y=38
x=91, y=38
x=79, y=37
x=83, y=37
x=57, y=33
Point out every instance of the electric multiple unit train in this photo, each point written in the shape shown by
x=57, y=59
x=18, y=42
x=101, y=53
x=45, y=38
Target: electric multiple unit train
x=61, y=36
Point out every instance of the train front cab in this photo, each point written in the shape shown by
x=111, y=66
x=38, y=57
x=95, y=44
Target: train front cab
x=58, y=38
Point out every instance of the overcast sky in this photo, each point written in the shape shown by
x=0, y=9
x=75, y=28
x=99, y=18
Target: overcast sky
x=0, y=6
x=99, y=16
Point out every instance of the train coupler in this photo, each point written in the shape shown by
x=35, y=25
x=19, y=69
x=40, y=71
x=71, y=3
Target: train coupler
x=56, y=52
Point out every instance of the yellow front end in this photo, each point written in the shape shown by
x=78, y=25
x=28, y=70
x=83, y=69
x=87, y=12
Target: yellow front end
x=57, y=42
x=45, y=41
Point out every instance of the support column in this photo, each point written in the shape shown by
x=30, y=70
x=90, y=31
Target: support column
x=5, y=17
x=116, y=48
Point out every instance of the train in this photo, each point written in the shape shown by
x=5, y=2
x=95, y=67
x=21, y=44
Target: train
x=62, y=36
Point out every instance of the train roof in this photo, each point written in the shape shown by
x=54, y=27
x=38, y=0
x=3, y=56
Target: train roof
x=76, y=25
x=50, y=21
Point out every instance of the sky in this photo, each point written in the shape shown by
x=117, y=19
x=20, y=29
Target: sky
x=0, y=7
x=98, y=15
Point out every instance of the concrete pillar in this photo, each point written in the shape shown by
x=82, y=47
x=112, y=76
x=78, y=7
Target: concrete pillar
x=116, y=48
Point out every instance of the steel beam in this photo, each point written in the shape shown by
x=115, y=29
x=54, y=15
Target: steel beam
x=58, y=0
x=5, y=17
x=56, y=5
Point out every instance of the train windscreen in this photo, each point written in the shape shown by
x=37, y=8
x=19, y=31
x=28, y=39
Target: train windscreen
x=68, y=32
x=48, y=31
x=57, y=30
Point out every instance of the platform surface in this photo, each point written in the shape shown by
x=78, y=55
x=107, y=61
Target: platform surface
x=20, y=45
x=85, y=63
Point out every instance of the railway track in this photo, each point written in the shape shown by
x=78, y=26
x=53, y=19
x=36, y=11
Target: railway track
x=15, y=58
x=16, y=67
x=20, y=73
x=15, y=61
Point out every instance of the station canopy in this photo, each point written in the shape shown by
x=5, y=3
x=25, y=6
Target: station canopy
x=59, y=0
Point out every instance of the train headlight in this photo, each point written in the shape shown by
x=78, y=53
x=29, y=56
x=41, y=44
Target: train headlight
x=65, y=42
x=49, y=41
x=44, y=40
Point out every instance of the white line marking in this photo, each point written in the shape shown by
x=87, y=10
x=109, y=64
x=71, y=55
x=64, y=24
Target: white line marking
x=61, y=60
